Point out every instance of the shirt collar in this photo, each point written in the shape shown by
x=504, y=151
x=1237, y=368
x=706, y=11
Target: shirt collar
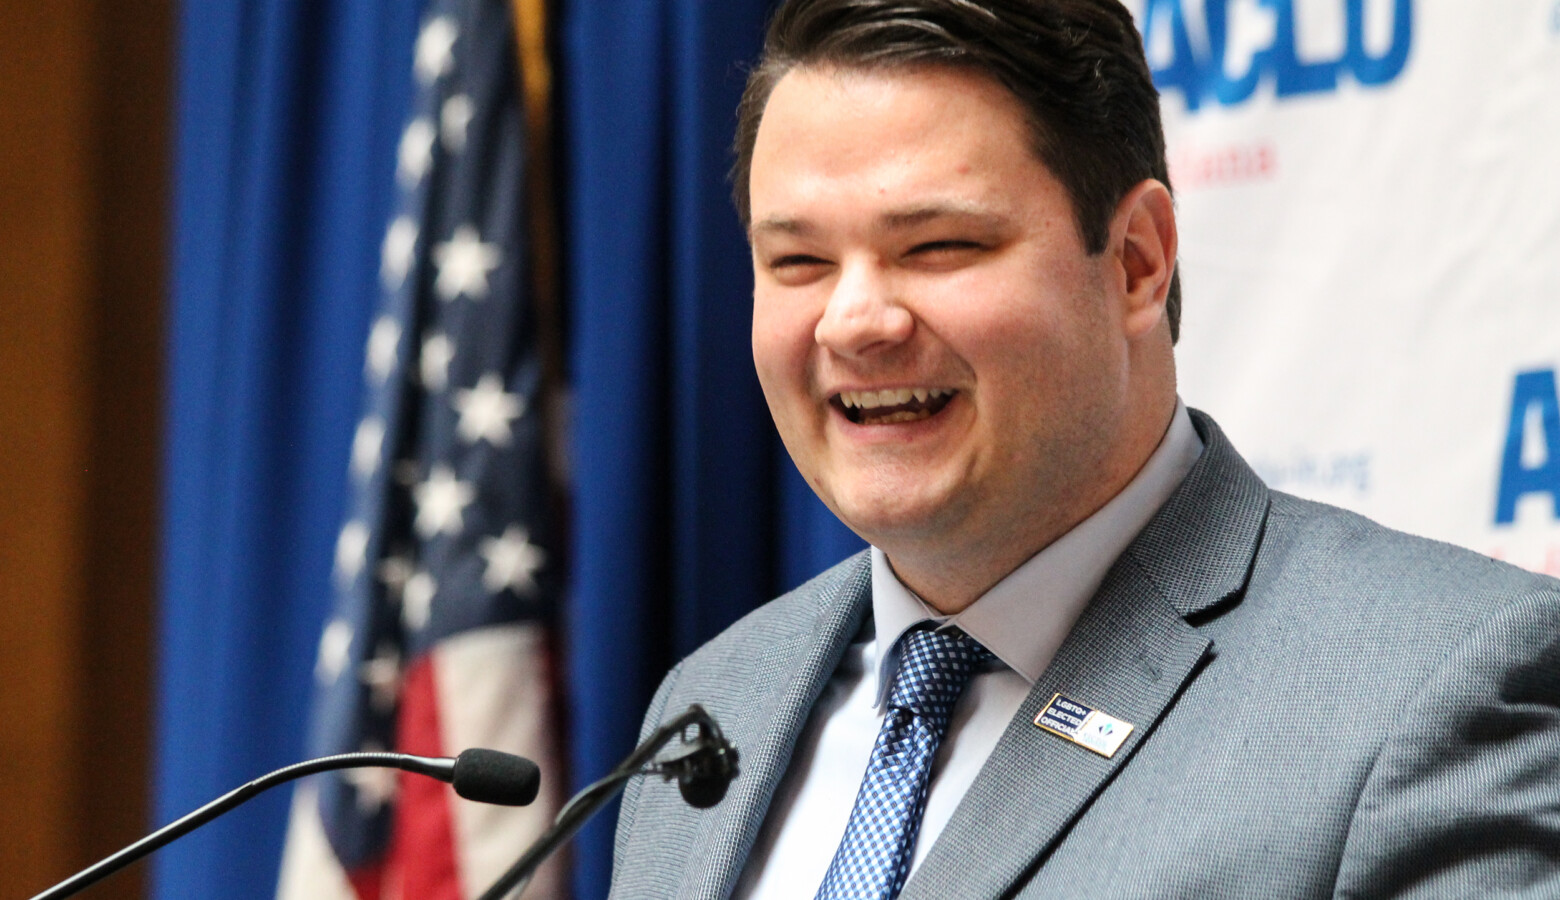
x=1024, y=617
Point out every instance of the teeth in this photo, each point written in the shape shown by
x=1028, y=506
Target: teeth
x=891, y=397
x=901, y=416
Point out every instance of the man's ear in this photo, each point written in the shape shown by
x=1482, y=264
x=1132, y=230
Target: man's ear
x=1143, y=241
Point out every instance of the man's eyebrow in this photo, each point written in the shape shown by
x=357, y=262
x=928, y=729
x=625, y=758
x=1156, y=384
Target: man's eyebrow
x=780, y=224
x=909, y=218
x=894, y=220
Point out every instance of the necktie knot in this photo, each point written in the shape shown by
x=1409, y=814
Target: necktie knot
x=934, y=667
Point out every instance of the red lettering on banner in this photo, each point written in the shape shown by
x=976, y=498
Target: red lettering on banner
x=1544, y=561
x=1198, y=167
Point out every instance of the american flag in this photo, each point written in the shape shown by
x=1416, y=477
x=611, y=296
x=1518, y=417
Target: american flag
x=446, y=567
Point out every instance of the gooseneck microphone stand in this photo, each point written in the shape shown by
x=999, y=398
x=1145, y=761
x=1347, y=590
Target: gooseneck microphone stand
x=703, y=765
x=487, y=776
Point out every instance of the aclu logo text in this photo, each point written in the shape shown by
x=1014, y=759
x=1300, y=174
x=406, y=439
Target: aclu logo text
x=1219, y=51
x=1530, y=464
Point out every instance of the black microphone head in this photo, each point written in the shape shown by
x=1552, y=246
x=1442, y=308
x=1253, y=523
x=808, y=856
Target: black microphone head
x=703, y=790
x=489, y=776
x=709, y=772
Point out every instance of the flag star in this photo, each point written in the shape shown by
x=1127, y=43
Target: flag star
x=417, y=601
x=382, y=676
x=415, y=153
x=435, y=44
x=375, y=785
x=383, y=342
x=351, y=550
x=512, y=561
x=464, y=264
x=335, y=651
x=454, y=116
x=367, y=444
x=441, y=502
x=434, y=363
x=486, y=412
x=396, y=253
x=394, y=571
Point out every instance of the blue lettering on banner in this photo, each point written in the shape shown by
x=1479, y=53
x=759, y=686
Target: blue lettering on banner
x=1201, y=69
x=1531, y=462
x=1310, y=475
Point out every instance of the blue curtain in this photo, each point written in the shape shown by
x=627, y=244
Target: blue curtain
x=288, y=116
x=687, y=512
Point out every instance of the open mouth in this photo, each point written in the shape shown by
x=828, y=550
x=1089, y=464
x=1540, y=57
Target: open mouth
x=893, y=406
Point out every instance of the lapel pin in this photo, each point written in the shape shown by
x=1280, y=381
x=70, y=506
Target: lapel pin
x=1083, y=725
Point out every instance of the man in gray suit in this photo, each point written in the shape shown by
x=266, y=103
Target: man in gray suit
x=1090, y=654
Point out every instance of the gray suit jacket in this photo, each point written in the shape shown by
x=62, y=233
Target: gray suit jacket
x=1324, y=707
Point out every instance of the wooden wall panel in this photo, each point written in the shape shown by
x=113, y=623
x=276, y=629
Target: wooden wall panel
x=84, y=123
x=132, y=99
x=44, y=280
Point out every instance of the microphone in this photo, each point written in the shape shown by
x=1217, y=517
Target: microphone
x=486, y=776
x=704, y=767
x=492, y=776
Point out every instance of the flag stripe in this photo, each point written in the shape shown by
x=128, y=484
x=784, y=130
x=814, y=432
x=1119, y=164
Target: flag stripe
x=309, y=866
x=422, y=846
x=494, y=689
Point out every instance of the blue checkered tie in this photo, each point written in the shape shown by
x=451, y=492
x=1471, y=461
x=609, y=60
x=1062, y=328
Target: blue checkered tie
x=874, y=856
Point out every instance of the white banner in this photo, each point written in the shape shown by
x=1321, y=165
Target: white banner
x=1369, y=199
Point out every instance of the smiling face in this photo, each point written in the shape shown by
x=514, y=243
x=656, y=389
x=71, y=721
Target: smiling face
x=950, y=370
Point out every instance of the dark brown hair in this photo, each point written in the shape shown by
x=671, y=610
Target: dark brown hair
x=1077, y=67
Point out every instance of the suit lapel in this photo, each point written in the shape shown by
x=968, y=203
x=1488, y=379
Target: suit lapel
x=784, y=679
x=1130, y=655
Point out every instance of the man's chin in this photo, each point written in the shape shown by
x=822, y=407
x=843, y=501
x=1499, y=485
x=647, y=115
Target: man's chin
x=895, y=518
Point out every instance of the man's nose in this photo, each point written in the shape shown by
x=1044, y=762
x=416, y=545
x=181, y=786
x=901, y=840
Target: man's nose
x=864, y=315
